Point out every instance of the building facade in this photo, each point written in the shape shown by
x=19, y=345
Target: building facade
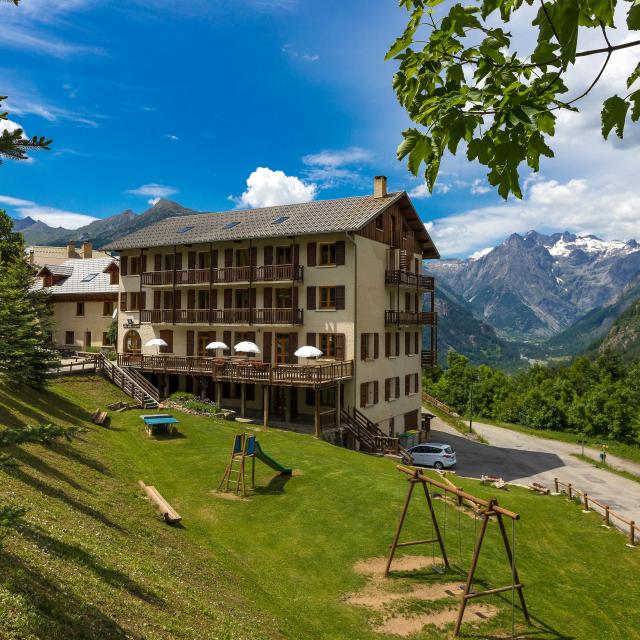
x=84, y=297
x=39, y=255
x=342, y=275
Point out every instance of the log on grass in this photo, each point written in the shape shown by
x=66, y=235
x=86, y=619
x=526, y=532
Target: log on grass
x=170, y=515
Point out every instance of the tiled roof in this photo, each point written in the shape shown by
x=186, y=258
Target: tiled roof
x=319, y=216
x=57, y=255
x=83, y=276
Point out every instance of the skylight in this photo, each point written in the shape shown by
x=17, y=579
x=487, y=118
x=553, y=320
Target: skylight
x=184, y=229
x=89, y=277
x=230, y=225
x=280, y=220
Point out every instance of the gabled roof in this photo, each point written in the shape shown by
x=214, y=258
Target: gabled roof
x=308, y=218
x=90, y=275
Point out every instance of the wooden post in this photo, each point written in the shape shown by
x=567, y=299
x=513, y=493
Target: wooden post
x=403, y=515
x=316, y=415
x=219, y=394
x=569, y=492
x=338, y=407
x=436, y=528
x=265, y=405
x=632, y=540
x=555, y=481
x=287, y=403
x=607, y=517
x=586, y=502
x=243, y=399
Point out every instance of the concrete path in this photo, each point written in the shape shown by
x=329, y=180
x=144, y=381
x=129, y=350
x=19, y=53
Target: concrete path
x=521, y=459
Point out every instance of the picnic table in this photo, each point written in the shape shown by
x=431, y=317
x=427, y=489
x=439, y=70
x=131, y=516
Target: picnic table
x=156, y=423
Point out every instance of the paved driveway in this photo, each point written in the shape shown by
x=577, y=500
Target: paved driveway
x=522, y=459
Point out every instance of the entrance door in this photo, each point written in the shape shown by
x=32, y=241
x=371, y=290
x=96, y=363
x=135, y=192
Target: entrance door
x=87, y=340
x=282, y=348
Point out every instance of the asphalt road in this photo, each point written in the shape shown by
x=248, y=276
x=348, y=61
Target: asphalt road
x=521, y=459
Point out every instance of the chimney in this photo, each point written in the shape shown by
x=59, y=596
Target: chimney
x=87, y=250
x=32, y=255
x=380, y=186
x=71, y=249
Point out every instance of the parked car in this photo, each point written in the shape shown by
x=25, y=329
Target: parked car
x=433, y=454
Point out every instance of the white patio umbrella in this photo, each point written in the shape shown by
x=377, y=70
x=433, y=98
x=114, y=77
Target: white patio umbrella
x=308, y=352
x=215, y=346
x=156, y=342
x=247, y=347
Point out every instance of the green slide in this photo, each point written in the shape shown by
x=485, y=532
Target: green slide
x=262, y=456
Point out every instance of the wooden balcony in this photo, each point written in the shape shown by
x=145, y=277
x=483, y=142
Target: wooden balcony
x=408, y=279
x=409, y=318
x=428, y=359
x=320, y=374
x=224, y=275
x=223, y=316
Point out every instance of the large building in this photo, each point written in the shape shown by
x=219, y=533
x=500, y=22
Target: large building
x=39, y=255
x=84, y=297
x=342, y=275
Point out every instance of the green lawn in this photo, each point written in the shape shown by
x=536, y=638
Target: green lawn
x=92, y=560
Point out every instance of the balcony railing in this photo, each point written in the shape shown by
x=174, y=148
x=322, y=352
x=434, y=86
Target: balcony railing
x=317, y=375
x=224, y=275
x=410, y=318
x=428, y=359
x=222, y=316
x=406, y=278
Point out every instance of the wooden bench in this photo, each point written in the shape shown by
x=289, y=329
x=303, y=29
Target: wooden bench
x=99, y=417
x=170, y=515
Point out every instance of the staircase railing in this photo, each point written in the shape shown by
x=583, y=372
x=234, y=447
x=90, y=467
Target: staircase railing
x=439, y=405
x=137, y=377
x=123, y=379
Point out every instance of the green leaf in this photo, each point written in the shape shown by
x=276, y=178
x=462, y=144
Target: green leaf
x=614, y=112
x=633, y=17
x=635, y=99
x=634, y=76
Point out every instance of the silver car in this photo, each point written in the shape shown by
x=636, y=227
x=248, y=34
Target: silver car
x=433, y=454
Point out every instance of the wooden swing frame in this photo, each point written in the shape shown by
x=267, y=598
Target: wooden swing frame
x=487, y=509
x=238, y=456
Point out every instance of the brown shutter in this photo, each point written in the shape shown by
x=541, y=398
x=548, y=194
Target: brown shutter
x=375, y=392
x=340, y=340
x=268, y=297
x=157, y=299
x=191, y=299
x=387, y=389
x=363, y=394
x=387, y=344
x=416, y=348
x=268, y=255
x=157, y=262
x=340, y=297
x=397, y=386
x=226, y=338
x=178, y=262
x=294, y=297
x=311, y=339
x=252, y=298
x=228, y=298
x=123, y=301
x=311, y=254
x=376, y=346
x=311, y=298
x=190, y=341
x=214, y=258
x=363, y=346
x=266, y=346
x=416, y=379
x=293, y=347
x=214, y=299
x=228, y=257
x=191, y=260
x=253, y=256
x=295, y=254
x=143, y=300
x=340, y=252
x=407, y=343
x=397, y=343
x=177, y=300
x=167, y=336
x=143, y=263
x=124, y=265
x=407, y=385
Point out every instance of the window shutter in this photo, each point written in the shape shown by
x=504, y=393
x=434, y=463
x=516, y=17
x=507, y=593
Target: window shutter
x=416, y=347
x=226, y=338
x=407, y=385
x=143, y=300
x=293, y=347
x=311, y=339
x=375, y=392
x=191, y=299
x=167, y=336
x=387, y=389
x=294, y=297
x=214, y=258
x=311, y=298
x=252, y=298
x=268, y=255
x=214, y=298
x=178, y=262
x=191, y=260
x=266, y=346
x=123, y=301
x=340, y=297
x=124, y=265
x=376, y=345
x=363, y=346
x=228, y=257
x=143, y=263
x=397, y=386
x=177, y=300
x=340, y=252
x=416, y=380
x=397, y=353
x=340, y=340
x=190, y=338
x=268, y=297
x=387, y=344
x=311, y=254
x=157, y=262
x=157, y=299
x=363, y=394
x=407, y=343
x=295, y=254
x=228, y=298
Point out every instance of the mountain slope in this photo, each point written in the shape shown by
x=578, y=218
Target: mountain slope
x=623, y=338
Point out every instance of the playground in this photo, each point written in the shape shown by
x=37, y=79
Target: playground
x=301, y=559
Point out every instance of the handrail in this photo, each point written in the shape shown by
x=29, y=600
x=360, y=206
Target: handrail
x=439, y=405
x=223, y=316
x=410, y=317
x=404, y=277
x=224, y=275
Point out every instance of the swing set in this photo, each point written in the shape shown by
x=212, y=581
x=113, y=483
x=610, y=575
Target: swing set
x=487, y=509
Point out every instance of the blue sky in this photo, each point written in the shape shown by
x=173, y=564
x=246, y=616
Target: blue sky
x=144, y=99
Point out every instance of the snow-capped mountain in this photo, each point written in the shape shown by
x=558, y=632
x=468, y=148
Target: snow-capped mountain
x=535, y=286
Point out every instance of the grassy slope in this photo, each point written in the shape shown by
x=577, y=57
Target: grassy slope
x=284, y=558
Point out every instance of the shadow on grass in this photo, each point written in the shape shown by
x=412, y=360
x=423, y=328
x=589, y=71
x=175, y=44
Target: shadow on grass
x=69, y=552
x=37, y=463
x=59, y=614
x=68, y=451
x=59, y=494
x=276, y=485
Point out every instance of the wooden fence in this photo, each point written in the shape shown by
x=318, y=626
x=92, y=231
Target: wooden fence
x=608, y=515
x=439, y=405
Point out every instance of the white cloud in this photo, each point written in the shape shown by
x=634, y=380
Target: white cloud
x=171, y=137
x=267, y=188
x=476, y=255
x=332, y=167
x=10, y=126
x=420, y=191
x=49, y=215
x=26, y=36
x=478, y=187
x=294, y=54
x=154, y=191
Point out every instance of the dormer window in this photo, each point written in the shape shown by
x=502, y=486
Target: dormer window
x=231, y=225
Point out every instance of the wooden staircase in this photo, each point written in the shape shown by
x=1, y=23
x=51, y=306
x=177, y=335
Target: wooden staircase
x=131, y=382
x=434, y=402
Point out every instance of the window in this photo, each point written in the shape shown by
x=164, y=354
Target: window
x=242, y=258
x=134, y=301
x=113, y=276
x=411, y=420
x=327, y=253
x=106, y=341
x=327, y=297
x=411, y=384
x=204, y=260
x=168, y=262
x=89, y=277
x=184, y=229
x=135, y=265
x=368, y=393
x=242, y=298
x=132, y=342
x=231, y=225
x=380, y=222
x=280, y=220
x=69, y=337
x=283, y=298
x=79, y=308
x=392, y=344
x=392, y=388
x=332, y=345
x=107, y=308
x=283, y=255
x=369, y=346
x=203, y=299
